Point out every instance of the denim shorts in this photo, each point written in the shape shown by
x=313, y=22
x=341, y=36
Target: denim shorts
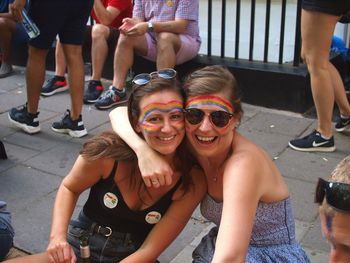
x=332, y=7
x=6, y=239
x=103, y=248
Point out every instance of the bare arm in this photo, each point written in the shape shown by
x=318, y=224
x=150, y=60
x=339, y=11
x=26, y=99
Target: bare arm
x=82, y=176
x=176, y=26
x=241, y=194
x=151, y=164
x=171, y=224
x=106, y=15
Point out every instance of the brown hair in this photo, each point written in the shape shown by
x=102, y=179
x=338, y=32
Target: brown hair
x=214, y=79
x=340, y=174
x=110, y=145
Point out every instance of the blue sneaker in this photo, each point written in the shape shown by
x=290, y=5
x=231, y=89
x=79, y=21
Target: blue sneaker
x=24, y=120
x=110, y=98
x=67, y=125
x=54, y=85
x=313, y=143
x=342, y=124
x=93, y=91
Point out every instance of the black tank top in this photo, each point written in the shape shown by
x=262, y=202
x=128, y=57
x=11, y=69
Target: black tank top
x=107, y=207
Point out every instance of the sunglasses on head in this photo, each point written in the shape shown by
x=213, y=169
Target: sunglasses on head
x=218, y=118
x=144, y=78
x=337, y=194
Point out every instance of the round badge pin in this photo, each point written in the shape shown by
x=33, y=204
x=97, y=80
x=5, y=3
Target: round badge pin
x=110, y=200
x=170, y=3
x=153, y=217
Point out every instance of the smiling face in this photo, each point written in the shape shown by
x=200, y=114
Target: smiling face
x=161, y=121
x=206, y=138
x=336, y=228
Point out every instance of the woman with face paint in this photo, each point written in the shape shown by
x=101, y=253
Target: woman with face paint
x=247, y=198
x=123, y=219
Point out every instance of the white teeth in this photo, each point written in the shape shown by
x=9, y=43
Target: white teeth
x=205, y=139
x=166, y=138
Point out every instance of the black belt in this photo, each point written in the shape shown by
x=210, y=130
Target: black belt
x=94, y=228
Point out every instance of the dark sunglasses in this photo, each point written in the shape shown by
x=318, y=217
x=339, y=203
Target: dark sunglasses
x=337, y=194
x=144, y=78
x=218, y=118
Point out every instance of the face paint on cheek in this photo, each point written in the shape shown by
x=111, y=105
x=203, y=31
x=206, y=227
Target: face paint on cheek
x=198, y=101
x=179, y=125
x=160, y=107
x=149, y=127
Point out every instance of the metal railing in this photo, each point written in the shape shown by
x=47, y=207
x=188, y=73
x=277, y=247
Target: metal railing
x=252, y=29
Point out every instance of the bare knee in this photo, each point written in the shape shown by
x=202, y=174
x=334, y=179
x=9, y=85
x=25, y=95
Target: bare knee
x=99, y=31
x=7, y=24
x=73, y=53
x=316, y=61
x=166, y=40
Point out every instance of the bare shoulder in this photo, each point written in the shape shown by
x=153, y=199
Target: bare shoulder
x=247, y=162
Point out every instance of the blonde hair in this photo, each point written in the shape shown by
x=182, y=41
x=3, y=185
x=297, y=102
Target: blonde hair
x=340, y=174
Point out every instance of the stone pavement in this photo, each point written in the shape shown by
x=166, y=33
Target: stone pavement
x=37, y=163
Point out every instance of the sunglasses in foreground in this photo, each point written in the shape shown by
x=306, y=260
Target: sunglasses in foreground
x=337, y=194
x=144, y=78
x=219, y=118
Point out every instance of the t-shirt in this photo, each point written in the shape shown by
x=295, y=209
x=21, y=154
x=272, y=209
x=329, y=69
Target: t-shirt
x=124, y=6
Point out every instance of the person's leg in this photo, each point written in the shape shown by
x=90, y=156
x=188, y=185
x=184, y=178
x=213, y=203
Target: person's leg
x=75, y=65
x=168, y=44
x=60, y=61
x=35, y=76
x=124, y=57
x=58, y=82
x=7, y=29
x=317, y=30
x=100, y=35
x=339, y=92
x=99, y=49
x=37, y=258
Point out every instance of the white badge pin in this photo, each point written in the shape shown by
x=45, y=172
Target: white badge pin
x=110, y=200
x=153, y=217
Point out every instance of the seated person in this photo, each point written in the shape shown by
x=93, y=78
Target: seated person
x=6, y=231
x=108, y=15
x=125, y=220
x=8, y=27
x=334, y=199
x=166, y=32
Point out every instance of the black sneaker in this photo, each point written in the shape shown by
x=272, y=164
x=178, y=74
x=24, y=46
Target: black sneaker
x=67, y=125
x=110, y=97
x=342, y=124
x=28, y=122
x=313, y=143
x=54, y=85
x=93, y=91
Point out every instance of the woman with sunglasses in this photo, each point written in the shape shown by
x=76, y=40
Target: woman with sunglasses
x=334, y=199
x=124, y=220
x=247, y=198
